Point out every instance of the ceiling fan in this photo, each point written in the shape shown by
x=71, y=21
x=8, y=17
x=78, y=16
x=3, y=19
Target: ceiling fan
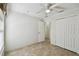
x=54, y=6
x=49, y=7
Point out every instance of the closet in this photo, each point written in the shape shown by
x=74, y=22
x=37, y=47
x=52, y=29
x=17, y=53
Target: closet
x=66, y=33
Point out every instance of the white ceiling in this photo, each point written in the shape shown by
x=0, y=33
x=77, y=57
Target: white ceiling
x=38, y=9
x=28, y=8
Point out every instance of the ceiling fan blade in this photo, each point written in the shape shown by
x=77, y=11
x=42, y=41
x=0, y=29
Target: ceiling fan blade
x=53, y=6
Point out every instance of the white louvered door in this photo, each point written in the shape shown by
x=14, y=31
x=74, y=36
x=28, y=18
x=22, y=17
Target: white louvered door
x=67, y=33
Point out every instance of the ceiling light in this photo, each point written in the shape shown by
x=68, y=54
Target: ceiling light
x=47, y=11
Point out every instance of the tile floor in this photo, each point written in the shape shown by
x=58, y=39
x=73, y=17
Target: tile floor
x=41, y=49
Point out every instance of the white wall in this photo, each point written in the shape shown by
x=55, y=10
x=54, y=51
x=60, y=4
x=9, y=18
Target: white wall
x=1, y=26
x=21, y=30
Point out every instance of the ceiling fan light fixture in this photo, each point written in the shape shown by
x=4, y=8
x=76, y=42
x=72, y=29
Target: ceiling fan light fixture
x=47, y=11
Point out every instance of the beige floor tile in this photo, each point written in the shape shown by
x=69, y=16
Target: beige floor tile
x=41, y=49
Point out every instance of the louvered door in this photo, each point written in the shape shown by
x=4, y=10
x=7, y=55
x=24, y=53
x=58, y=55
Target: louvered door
x=67, y=33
